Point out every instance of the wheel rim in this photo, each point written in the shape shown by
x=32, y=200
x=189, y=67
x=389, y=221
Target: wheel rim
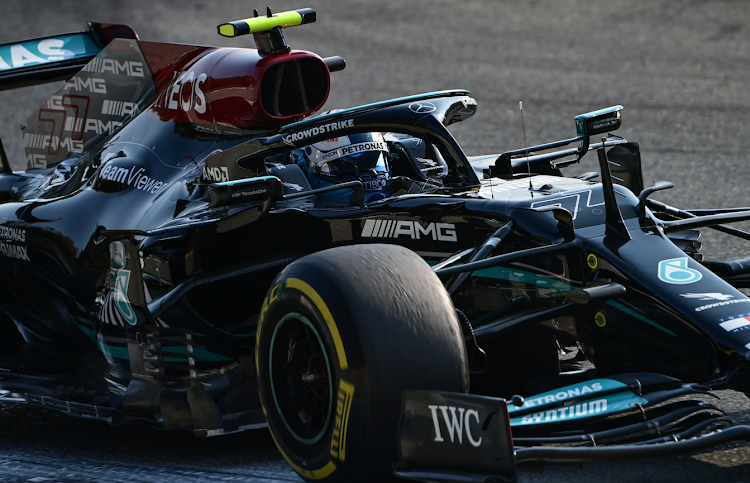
x=300, y=377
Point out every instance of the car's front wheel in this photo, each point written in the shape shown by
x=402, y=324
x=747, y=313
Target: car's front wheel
x=342, y=333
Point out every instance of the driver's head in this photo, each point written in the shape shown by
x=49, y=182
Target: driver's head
x=357, y=157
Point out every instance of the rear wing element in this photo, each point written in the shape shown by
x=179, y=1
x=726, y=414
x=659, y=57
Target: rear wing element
x=57, y=57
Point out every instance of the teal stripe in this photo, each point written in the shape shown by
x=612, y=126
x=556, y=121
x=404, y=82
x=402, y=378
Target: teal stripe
x=115, y=351
x=200, y=354
x=581, y=410
x=640, y=317
x=46, y=51
x=86, y=331
x=516, y=275
x=122, y=352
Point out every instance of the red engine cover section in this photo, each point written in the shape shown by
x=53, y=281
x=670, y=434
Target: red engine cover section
x=229, y=88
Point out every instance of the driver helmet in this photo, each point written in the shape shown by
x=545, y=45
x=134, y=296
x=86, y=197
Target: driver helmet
x=356, y=157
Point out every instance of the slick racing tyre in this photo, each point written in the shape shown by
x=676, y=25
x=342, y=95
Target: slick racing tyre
x=341, y=333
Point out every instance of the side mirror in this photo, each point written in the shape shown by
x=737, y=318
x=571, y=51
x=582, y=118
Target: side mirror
x=598, y=122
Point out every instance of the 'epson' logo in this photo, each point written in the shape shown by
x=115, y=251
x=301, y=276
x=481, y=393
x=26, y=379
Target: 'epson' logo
x=456, y=425
x=413, y=229
x=331, y=154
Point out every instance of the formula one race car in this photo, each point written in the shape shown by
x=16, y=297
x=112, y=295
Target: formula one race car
x=189, y=248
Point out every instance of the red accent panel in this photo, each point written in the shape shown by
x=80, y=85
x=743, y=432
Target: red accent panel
x=234, y=90
x=184, y=91
x=163, y=59
x=215, y=87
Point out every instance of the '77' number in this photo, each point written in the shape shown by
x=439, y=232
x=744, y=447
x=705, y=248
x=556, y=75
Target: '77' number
x=61, y=122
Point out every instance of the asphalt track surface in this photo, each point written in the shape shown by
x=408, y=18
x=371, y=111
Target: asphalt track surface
x=679, y=67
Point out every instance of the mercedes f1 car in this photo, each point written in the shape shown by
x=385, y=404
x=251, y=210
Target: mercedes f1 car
x=190, y=248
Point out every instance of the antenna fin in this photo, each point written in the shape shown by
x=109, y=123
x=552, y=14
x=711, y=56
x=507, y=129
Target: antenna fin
x=526, y=147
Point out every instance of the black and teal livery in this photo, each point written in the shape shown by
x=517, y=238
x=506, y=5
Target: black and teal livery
x=159, y=272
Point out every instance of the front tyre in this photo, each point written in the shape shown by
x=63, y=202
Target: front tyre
x=342, y=332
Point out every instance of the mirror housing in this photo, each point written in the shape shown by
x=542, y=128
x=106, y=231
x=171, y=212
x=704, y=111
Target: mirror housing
x=598, y=122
